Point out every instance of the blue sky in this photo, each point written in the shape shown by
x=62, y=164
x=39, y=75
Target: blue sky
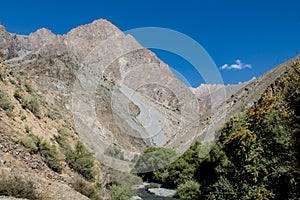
x=246, y=38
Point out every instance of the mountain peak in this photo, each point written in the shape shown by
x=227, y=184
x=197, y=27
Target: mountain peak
x=102, y=21
x=100, y=27
x=44, y=31
x=43, y=34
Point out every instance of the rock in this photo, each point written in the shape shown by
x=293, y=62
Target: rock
x=135, y=198
x=162, y=192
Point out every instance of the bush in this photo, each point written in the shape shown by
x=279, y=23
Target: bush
x=30, y=142
x=32, y=103
x=5, y=104
x=222, y=189
x=52, y=115
x=48, y=152
x=12, y=81
x=62, y=140
x=23, y=117
x=114, y=152
x=18, y=187
x=188, y=190
x=86, y=188
x=3, y=72
x=28, y=87
x=51, y=156
x=19, y=95
x=81, y=160
x=121, y=192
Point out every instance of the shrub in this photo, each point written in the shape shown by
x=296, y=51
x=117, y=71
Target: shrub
x=114, y=152
x=5, y=104
x=28, y=87
x=27, y=129
x=23, y=117
x=30, y=142
x=32, y=103
x=12, y=81
x=188, y=190
x=3, y=73
x=18, y=187
x=51, y=156
x=48, y=152
x=88, y=189
x=121, y=192
x=78, y=158
x=51, y=115
x=62, y=140
x=81, y=160
x=222, y=189
x=19, y=95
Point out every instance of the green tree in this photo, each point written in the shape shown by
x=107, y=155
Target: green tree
x=153, y=158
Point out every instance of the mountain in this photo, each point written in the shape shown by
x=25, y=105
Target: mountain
x=96, y=89
x=213, y=94
x=118, y=92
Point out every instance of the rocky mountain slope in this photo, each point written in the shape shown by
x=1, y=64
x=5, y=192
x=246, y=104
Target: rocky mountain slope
x=41, y=168
x=213, y=94
x=119, y=93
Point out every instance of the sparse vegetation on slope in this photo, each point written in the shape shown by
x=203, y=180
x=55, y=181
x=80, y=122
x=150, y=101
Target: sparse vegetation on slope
x=25, y=126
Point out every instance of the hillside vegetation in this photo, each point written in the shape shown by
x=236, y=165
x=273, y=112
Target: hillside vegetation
x=256, y=157
x=40, y=153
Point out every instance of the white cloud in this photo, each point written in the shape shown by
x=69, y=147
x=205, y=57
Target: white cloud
x=237, y=65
